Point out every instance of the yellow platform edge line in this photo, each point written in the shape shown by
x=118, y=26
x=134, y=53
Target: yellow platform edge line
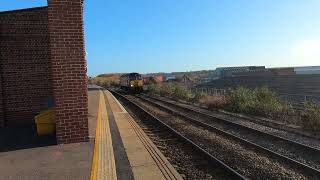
x=95, y=160
x=108, y=157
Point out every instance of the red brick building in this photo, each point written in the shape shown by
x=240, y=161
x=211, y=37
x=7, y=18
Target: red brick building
x=42, y=57
x=158, y=78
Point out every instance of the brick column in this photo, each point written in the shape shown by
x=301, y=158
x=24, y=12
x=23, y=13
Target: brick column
x=1, y=102
x=68, y=70
x=1, y=89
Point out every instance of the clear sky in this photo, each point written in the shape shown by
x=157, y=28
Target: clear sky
x=183, y=35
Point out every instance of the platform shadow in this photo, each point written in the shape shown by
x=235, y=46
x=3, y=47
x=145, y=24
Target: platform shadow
x=23, y=137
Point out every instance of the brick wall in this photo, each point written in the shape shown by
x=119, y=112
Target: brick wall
x=25, y=63
x=68, y=69
x=1, y=103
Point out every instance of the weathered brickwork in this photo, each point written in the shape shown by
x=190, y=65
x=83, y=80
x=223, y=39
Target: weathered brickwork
x=68, y=69
x=1, y=103
x=42, y=56
x=25, y=64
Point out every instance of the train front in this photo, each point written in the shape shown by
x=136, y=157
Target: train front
x=136, y=82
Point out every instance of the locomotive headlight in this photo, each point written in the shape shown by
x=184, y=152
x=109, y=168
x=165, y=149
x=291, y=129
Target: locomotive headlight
x=131, y=85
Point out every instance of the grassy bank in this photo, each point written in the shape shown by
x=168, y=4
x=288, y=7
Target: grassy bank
x=260, y=101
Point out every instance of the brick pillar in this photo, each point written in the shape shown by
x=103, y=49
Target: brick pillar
x=1, y=89
x=68, y=70
x=1, y=102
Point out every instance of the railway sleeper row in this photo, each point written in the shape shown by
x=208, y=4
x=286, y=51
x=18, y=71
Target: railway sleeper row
x=289, y=163
x=300, y=152
x=220, y=169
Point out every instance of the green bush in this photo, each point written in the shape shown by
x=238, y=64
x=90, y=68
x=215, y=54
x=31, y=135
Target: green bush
x=182, y=92
x=311, y=118
x=153, y=89
x=267, y=102
x=167, y=90
x=261, y=101
x=170, y=90
x=241, y=100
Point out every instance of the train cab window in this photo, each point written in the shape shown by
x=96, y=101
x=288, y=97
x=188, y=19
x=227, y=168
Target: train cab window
x=138, y=77
x=135, y=76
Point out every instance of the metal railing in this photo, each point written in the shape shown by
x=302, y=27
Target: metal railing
x=299, y=100
x=208, y=91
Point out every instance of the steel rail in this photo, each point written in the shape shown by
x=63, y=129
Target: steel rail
x=238, y=125
x=312, y=171
x=233, y=173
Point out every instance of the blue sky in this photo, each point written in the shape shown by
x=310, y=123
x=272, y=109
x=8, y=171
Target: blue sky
x=184, y=35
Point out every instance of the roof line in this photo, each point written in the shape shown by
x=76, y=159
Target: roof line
x=26, y=9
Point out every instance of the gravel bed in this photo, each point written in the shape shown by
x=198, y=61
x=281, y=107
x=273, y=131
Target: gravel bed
x=282, y=133
x=304, y=155
x=253, y=165
x=184, y=159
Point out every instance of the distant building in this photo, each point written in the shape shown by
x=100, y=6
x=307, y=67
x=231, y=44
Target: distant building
x=156, y=79
x=159, y=78
x=206, y=79
x=188, y=80
x=307, y=70
x=229, y=71
x=267, y=72
x=146, y=80
x=170, y=78
x=282, y=71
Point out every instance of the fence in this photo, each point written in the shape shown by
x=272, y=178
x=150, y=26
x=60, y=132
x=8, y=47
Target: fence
x=298, y=100
x=208, y=91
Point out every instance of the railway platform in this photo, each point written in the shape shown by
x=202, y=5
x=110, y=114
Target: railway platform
x=118, y=149
x=122, y=149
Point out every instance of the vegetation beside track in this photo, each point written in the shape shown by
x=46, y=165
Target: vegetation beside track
x=105, y=80
x=311, y=118
x=260, y=101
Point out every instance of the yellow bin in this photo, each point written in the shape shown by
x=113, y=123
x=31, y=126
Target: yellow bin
x=45, y=122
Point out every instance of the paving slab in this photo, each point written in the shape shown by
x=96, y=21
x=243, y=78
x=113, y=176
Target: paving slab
x=93, y=107
x=104, y=167
x=118, y=149
x=72, y=161
x=146, y=161
x=24, y=161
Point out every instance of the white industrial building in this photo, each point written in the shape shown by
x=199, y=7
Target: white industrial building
x=307, y=70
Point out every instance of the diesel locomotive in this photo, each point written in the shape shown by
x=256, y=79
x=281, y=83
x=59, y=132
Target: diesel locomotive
x=131, y=82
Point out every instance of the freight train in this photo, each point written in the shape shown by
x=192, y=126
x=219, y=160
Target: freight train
x=131, y=82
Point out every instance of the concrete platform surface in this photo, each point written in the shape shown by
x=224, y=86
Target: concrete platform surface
x=21, y=161
x=72, y=161
x=118, y=149
x=103, y=165
x=93, y=107
x=145, y=159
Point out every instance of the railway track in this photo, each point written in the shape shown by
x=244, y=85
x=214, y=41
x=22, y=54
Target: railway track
x=310, y=171
x=154, y=126
x=306, y=156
